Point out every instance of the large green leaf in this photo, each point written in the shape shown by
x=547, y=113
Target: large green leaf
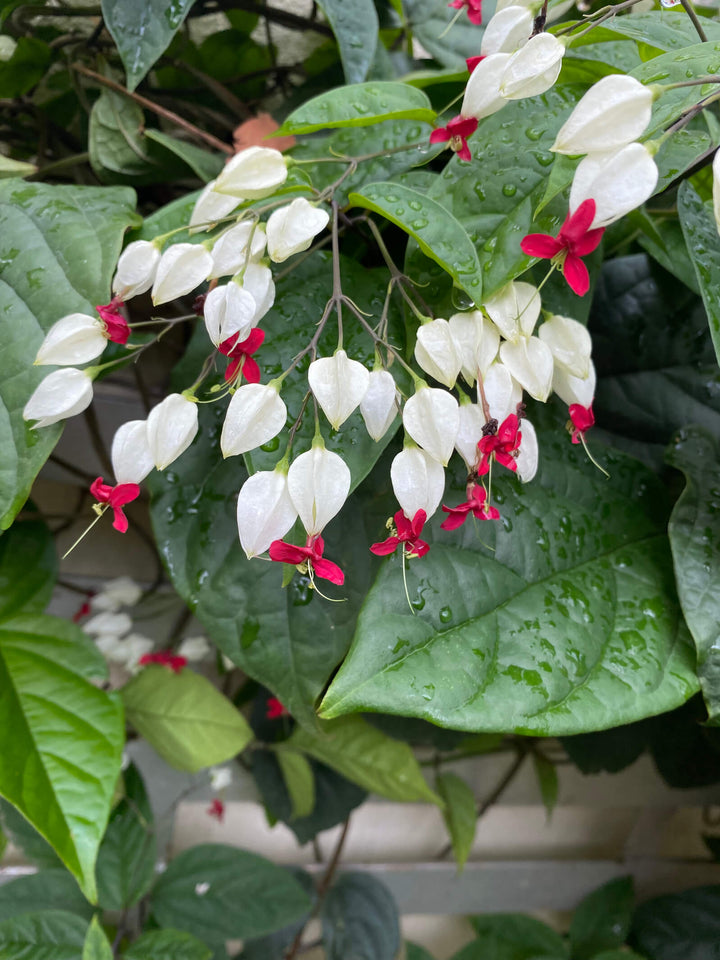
x=683, y=926
x=61, y=737
x=355, y=25
x=275, y=944
x=360, y=105
x=45, y=890
x=360, y=920
x=28, y=567
x=698, y=60
x=701, y=235
x=664, y=29
x=167, y=945
x=185, y=718
x=58, y=251
x=142, y=31
x=217, y=893
x=368, y=757
x=602, y=920
x=694, y=532
x=562, y=619
x=43, y=935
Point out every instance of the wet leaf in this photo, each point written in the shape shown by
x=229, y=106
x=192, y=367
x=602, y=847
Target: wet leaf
x=360, y=105
x=142, y=31
x=355, y=25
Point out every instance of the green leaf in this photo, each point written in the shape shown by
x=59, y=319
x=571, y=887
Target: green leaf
x=547, y=779
x=665, y=30
x=142, y=31
x=367, y=757
x=618, y=955
x=202, y=889
x=460, y=814
x=697, y=60
x=24, y=836
x=602, y=920
x=185, y=718
x=28, y=568
x=666, y=244
x=274, y=945
x=438, y=234
x=126, y=860
x=415, y=952
x=563, y=619
x=15, y=168
x=513, y=936
x=299, y=780
x=26, y=67
x=701, y=236
x=58, y=251
x=683, y=926
x=360, y=105
x=167, y=945
x=43, y=935
x=694, y=532
x=205, y=164
x=45, y=890
x=360, y=920
x=429, y=20
x=355, y=25
x=61, y=737
x=609, y=750
x=97, y=946
x=116, y=139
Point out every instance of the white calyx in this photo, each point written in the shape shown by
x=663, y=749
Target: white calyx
x=339, y=385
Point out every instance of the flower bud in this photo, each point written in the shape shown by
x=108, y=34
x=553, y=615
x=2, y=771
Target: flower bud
x=379, y=405
x=258, y=281
x=530, y=361
x=211, y=207
x=436, y=352
x=618, y=181
x=194, y=649
x=318, y=484
x=615, y=111
x=62, y=394
x=230, y=252
x=432, y=419
x=573, y=389
x=465, y=329
x=131, y=457
x=108, y=624
x=527, y=456
x=339, y=385
x=76, y=338
x=472, y=421
x=252, y=174
x=229, y=310
x=265, y=511
x=293, y=228
x=117, y=593
x=534, y=68
x=418, y=481
x=482, y=93
x=502, y=392
x=507, y=30
x=171, y=428
x=254, y=416
x=514, y=309
x=136, y=269
x=716, y=188
x=570, y=344
x=182, y=267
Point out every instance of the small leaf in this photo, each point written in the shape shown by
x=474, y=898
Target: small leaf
x=203, y=163
x=97, y=946
x=415, y=952
x=701, y=235
x=460, y=814
x=167, y=945
x=360, y=105
x=547, y=778
x=26, y=67
x=602, y=920
x=185, y=718
x=360, y=920
x=367, y=757
x=299, y=780
x=43, y=935
x=15, y=168
x=682, y=926
x=514, y=936
x=355, y=25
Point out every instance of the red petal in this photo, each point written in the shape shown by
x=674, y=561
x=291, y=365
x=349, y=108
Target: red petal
x=439, y=136
x=475, y=18
x=101, y=491
x=120, y=521
x=328, y=570
x=251, y=371
x=576, y=274
x=472, y=62
x=287, y=552
x=505, y=460
x=232, y=370
x=386, y=547
x=456, y=517
x=540, y=245
x=587, y=243
x=461, y=126
x=124, y=493
x=582, y=417
x=577, y=224
x=464, y=151
x=419, y=548
x=418, y=522
x=508, y=430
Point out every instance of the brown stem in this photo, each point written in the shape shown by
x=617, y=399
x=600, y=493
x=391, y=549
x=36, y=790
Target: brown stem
x=156, y=108
x=96, y=440
x=690, y=11
x=277, y=15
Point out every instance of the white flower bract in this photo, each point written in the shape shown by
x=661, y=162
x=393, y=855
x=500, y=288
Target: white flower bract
x=254, y=416
x=265, y=511
x=530, y=361
x=171, y=428
x=182, y=268
x=252, y=174
x=569, y=342
x=432, y=419
x=436, y=351
x=130, y=453
x=339, y=385
x=482, y=93
x=472, y=421
x=618, y=181
x=210, y=207
x=76, y=338
x=615, y=111
x=229, y=311
x=418, y=481
x=318, y=484
x=230, y=252
x=136, y=269
x=62, y=394
x=507, y=30
x=379, y=405
x=293, y=228
x=514, y=309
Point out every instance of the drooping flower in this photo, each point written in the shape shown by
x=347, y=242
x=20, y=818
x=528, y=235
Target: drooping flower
x=293, y=228
x=514, y=309
x=482, y=93
x=456, y=133
x=258, y=281
x=240, y=353
x=108, y=623
x=265, y=511
x=339, y=385
x=569, y=342
x=194, y=649
x=533, y=68
x=76, y=338
x=474, y=9
x=501, y=392
x=116, y=593
x=615, y=111
x=245, y=241
x=418, y=481
x=379, y=405
x=130, y=453
x=617, y=180
x=529, y=454
x=275, y=709
x=574, y=389
x=405, y=533
x=582, y=419
x=432, y=419
x=501, y=446
x=62, y=394
x=576, y=239
x=472, y=421
x=136, y=269
x=530, y=362
x=164, y=658
x=229, y=311
x=182, y=267
x=436, y=351
x=475, y=504
x=254, y=416
x=116, y=497
x=171, y=428
x=126, y=651
x=507, y=30
x=210, y=207
x=252, y=174
x=220, y=777
x=311, y=555
x=318, y=484
x=115, y=325
x=216, y=809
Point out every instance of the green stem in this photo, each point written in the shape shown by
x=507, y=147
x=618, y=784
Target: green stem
x=690, y=10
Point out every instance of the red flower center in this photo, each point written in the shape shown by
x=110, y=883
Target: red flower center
x=311, y=554
x=501, y=446
x=240, y=354
x=116, y=327
x=164, y=658
x=116, y=497
x=405, y=532
x=575, y=240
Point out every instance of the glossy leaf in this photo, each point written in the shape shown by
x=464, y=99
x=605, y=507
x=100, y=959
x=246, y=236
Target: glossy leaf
x=682, y=926
x=567, y=621
x=61, y=737
x=355, y=25
x=360, y=920
x=694, y=532
x=514, y=936
x=217, y=893
x=28, y=567
x=429, y=20
x=602, y=920
x=45, y=890
x=299, y=780
x=701, y=235
x=697, y=60
x=40, y=226
x=438, y=234
x=142, y=31
x=360, y=105
x=43, y=935
x=673, y=30
x=460, y=814
x=366, y=756
x=96, y=946
x=185, y=718
x=167, y=945
x=115, y=138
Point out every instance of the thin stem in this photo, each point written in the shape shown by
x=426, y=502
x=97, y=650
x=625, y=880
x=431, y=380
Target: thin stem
x=594, y=19
x=58, y=166
x=96, y=439
x=690, y=11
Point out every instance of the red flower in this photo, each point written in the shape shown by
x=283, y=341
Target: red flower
x=474, y=9
x=216, y=809
x=406, y=532
x=115, y=323
x=116, y=497
x=582, y=419
x=574, y=241
x=312, y=554
x=240, y=353
x=501, y=445
x=472, y=62
x=475, y=504
x=276, y=709
x=164, y=658
x=456, y=133
x=83, y=610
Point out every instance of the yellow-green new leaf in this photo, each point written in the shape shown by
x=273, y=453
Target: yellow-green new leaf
x=460, y=814
x=97, y=946
x=299, y=780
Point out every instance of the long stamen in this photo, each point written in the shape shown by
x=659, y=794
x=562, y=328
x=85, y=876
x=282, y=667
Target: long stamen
x=591, y=458
x=82, y=536
x=413, y=611
x=317, y=590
